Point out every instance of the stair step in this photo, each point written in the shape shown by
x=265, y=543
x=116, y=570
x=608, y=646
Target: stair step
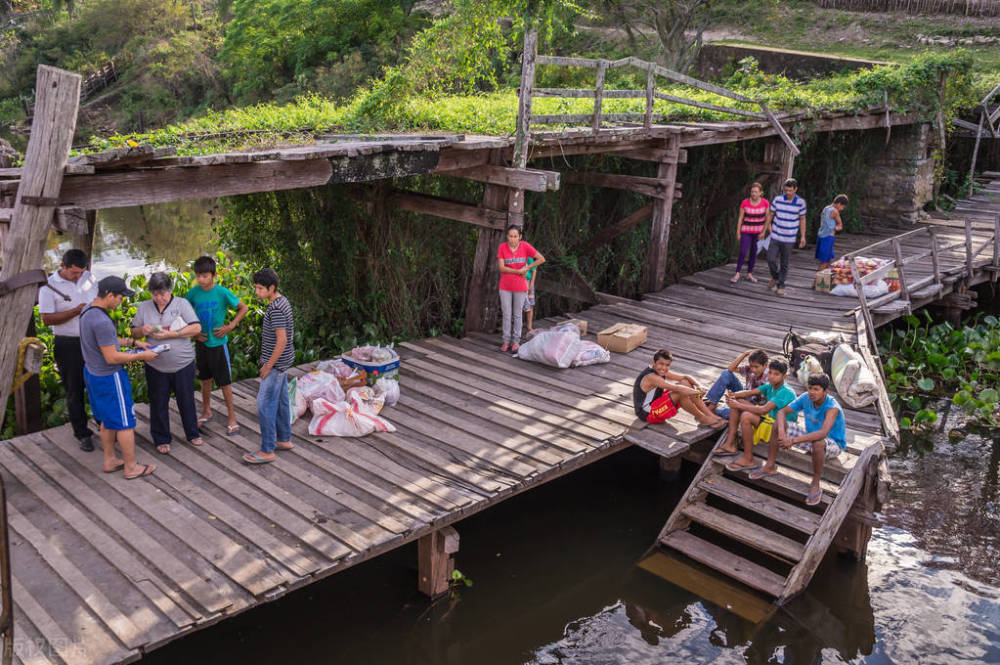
x=789, y=482
x=754, y=535
x=762, y=504
x=713, y=556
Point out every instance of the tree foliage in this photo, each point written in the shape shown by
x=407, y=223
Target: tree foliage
x=676, y=27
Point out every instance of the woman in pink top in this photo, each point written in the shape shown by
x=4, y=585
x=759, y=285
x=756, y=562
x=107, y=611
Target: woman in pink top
x=750, y=227
x=512, y=258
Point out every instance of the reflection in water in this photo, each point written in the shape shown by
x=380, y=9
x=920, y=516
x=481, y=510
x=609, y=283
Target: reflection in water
x=143, y=239
x=556, y=581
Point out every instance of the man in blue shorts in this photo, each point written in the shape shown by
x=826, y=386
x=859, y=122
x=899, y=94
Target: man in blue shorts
x=107, y=382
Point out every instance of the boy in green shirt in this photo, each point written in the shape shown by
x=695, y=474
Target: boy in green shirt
x=212, y=303
x=749, y=418
x=529, y=300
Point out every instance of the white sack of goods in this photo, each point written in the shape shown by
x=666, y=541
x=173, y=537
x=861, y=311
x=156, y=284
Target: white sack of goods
x=316, y=385
x=852, y=377
x=589, y=353
x=388, y=389
x=555, y=347
x=344, y=419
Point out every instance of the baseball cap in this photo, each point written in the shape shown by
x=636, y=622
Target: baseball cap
x=115, y=285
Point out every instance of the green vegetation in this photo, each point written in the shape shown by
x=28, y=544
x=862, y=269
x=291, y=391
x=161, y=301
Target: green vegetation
x=927, y=361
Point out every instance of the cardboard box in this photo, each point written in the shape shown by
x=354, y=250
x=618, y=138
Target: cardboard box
x=622, y=337
x=824, y=280
x=581, y=324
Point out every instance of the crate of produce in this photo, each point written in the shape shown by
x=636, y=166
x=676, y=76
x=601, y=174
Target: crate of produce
x=375, y=361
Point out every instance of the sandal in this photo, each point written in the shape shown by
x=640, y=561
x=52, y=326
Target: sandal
x=253, y=458
x=757, y=474
x=197, y=442
x=514, y=347
x=719, y=424
x=163, y=449
x=719, y=453
x=117, y=467
x=204, y=419
x=505, y=348
x=735, y=279
x=751, y=278
x=814, y=499
x=734, y=466
x=232, y=430
x=147, y=470
x=285, y=446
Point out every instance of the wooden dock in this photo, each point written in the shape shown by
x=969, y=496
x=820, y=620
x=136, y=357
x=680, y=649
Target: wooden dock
x=106, y=569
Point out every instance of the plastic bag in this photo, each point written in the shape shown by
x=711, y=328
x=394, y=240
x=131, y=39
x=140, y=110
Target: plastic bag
x=315, y=385
x=363, y=353
x=389, y=389
x=810, y=365
x=382, y=355
x=343, y=419
x=551, y=347
x=589, y=353
x=298, y=406
x=763, y=245
x=366, y=400
x=853, y=379
x=337, y=367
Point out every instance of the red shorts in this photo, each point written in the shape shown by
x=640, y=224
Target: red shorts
x=661, y=409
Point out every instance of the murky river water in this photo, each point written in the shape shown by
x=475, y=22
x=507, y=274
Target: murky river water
x=555, y=576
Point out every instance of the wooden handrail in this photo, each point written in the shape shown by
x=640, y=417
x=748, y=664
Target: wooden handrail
x=6, y=594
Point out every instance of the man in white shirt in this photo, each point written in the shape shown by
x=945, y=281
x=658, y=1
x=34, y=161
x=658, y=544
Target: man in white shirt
x=68, y=291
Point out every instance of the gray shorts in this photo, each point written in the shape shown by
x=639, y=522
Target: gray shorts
x=795, y=429
x=529, y=301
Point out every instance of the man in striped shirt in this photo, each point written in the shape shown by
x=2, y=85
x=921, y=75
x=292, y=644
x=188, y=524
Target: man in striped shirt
x=277, y=354
x=785, y=220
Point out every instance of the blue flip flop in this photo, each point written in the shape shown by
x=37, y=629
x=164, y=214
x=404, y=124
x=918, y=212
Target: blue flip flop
x=741, y=467
x=252, y=458
x=719, y=453
x=814, y=499
x=757, y=474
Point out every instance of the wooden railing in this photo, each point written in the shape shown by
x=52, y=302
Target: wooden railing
x=908, y=287
x=650, y=94
x=988, y=119
x=6, y=594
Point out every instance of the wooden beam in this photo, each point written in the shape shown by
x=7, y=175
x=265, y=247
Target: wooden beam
x=654, y=187
x=530, y=179
x=452, y=159
x=56, y=103
x=131, y=188
x=609, y=233
x=523, y=130
x=654, y=155
x=456, y=210
x=436, y=561
x=482, y=305
x=659, y=240
x=567, y=149
x=711, y=107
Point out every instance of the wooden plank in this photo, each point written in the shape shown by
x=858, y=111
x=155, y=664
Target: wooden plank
x=711, y=107
x=203, y=591
x=131, y=188
x=532, y=180
x=746, y=532
x=770, y=507
x=713, y=556
x=827, y=529
x=655, y=187
x=602, y=67
x=56, y=102
x=692, y=495
x=426, y=204
x=659, y=233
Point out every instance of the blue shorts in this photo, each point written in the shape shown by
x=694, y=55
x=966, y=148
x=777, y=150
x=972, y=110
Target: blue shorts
x=111, y=399
x=824, y=249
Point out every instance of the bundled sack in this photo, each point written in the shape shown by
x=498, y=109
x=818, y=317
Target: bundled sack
x=853, y=379
x=348, y=376
x=555, y=347
x=389, y=389
x=810, y=365
x=589, y=353
x=366, y=400
x=873, y=290
x=316, y=385
x=344, y=419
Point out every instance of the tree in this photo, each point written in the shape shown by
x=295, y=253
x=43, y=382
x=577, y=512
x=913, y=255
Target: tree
x=678, y=26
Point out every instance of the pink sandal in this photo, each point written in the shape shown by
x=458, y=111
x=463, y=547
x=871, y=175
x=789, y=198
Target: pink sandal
x=751, y=278
x=735, y=279
x=505, y=348
x=514, y=347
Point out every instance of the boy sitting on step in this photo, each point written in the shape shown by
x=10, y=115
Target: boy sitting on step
x=821, y=433
x=747, y=376
x=755, y=421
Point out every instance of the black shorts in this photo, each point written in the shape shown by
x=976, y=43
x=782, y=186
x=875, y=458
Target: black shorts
x=213, y=363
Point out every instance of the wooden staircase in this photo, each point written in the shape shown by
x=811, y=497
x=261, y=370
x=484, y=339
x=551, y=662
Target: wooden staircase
x=761, y=533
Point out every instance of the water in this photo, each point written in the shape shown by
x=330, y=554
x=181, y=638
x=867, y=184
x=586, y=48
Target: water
x=555, y=582
x=144, y=239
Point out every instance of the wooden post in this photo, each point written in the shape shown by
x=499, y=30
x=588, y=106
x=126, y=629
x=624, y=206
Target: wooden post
x=656, y=257
x=436, y=561
x=602, y=67
x=56, y=104
x=975, y=150
x=935, y=266
x=968, y=247
x=898, y=255
x=85, y=241
x=996, y=248
x=482, y=304
x=778, y=154
x=528, y=58
x=28, y=399
x=647, y=120
x=860, y=287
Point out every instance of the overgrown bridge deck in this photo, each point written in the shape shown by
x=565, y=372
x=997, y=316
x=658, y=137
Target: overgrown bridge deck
x=105, y=569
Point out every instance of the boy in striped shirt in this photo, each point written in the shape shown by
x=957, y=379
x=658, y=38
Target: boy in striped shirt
x=785, y=220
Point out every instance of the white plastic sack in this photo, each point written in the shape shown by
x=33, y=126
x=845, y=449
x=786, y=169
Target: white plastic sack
x=551, y=347
x=316, y=385
x=762, y=245
x=823, y=337
x=589, y=353
x=873, y=290
x=343, y=419
x=366, y=400
x=810, y=365
x=852, y=377
x=389, y=389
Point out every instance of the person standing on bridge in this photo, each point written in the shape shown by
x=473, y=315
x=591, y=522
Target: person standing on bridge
x=750, y=229
x=785, y=220
x=67, y=293
x=108, y=385
x=829, y=224
x=512, y=259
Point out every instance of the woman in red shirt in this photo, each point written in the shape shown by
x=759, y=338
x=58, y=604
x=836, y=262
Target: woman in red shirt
x=512, y=258
x=750, y=226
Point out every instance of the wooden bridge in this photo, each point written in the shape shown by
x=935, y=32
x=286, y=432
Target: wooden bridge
x=106, y=569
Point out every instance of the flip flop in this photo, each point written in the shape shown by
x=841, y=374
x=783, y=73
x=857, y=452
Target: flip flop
x=252, y=458
x=163, y=449
x=147, y=470
x=514, y=348
x=278, y=446
x=199, y=440
x=202, y=421
x=814, y=499
x=752, y=278
x=757, y=474
x=117, y=468
x=735, y=278
x=719, y=424
x=232, y=430
x=732, y=466
x=722, y=452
